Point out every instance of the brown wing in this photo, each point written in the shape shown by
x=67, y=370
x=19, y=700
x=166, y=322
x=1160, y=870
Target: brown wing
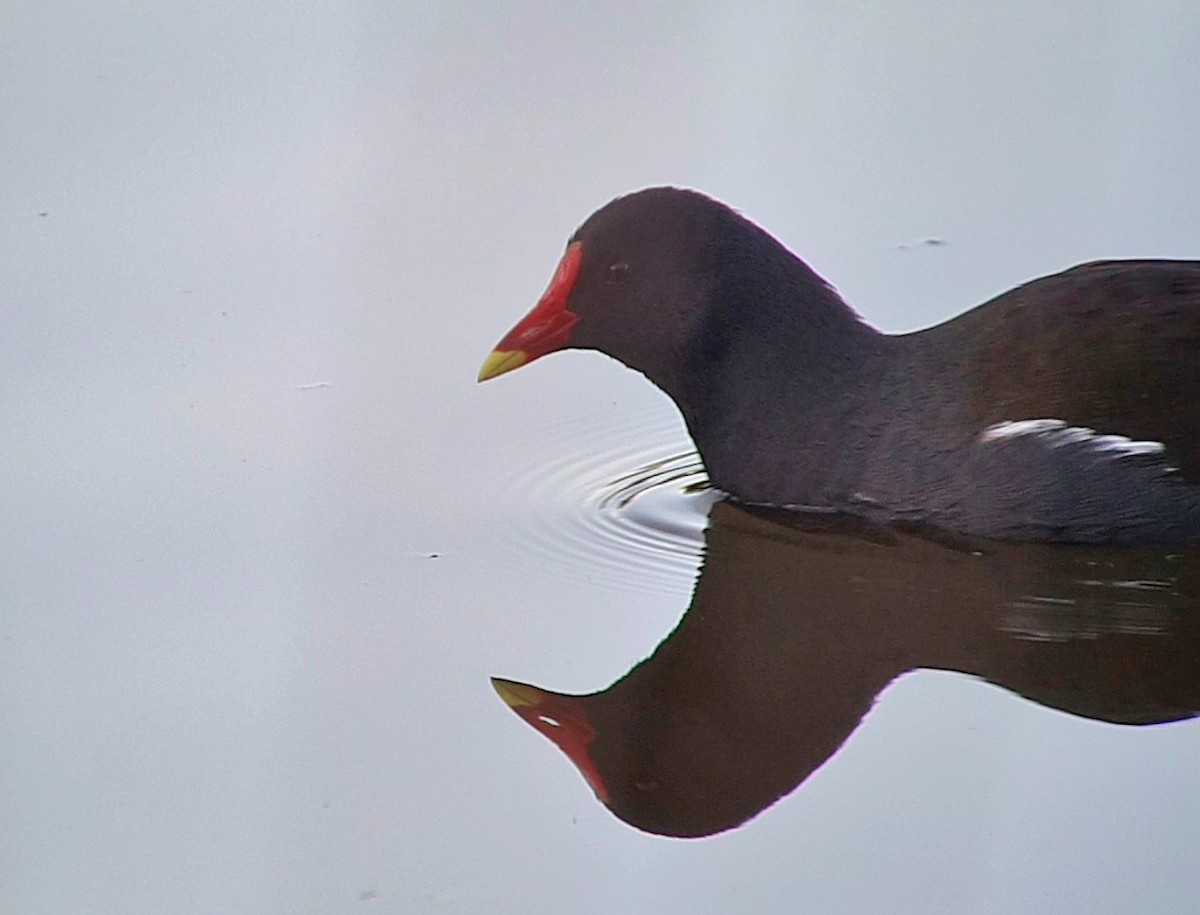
x=1111, y=345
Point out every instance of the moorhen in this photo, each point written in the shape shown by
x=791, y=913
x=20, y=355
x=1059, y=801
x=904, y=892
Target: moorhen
x=798, y=623
x=1067, y=409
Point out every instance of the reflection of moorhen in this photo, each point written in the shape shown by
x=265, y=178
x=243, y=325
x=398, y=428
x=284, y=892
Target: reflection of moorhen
x=1063, y=410
x=796, y=625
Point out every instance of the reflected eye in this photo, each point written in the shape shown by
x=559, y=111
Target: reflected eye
x=618, y=271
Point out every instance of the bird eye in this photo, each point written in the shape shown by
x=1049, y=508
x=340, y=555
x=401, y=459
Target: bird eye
x=618, y=271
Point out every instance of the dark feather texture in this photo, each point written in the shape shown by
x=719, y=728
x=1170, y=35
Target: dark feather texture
x=793, y=400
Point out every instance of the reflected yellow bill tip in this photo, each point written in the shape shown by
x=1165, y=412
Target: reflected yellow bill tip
x=500, y=361
x=517, y=695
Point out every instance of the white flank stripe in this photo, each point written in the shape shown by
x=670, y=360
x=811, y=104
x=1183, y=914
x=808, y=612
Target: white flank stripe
x=1057, y=434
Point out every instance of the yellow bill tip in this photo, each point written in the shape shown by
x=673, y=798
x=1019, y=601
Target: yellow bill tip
x=517, y=695
x=500, y=361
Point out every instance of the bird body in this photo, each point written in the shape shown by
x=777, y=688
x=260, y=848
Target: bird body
x=1067, y=409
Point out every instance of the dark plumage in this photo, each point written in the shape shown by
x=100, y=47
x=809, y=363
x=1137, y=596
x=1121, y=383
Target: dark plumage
x=793, y=400
x=797, y=625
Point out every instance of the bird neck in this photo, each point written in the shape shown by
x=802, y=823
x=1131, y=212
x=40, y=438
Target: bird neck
x=783, y=382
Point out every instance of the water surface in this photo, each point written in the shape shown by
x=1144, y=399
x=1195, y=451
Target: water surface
x=266, y=542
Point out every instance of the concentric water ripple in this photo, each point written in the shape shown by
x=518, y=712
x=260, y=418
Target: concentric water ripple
x=620, y=506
